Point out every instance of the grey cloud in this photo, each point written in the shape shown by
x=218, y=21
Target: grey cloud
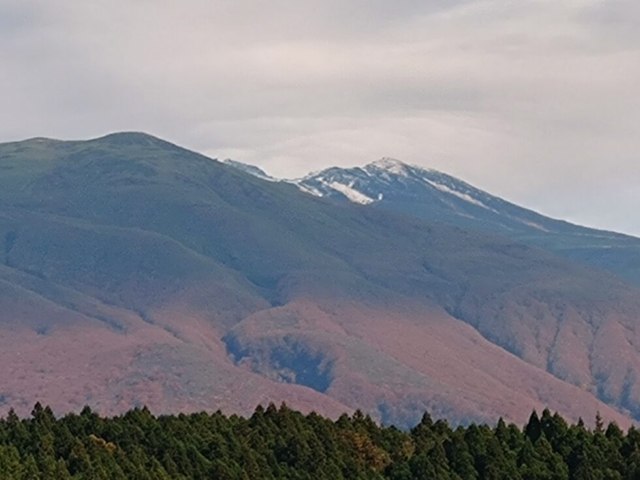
x=534, y=100
x=15, y=17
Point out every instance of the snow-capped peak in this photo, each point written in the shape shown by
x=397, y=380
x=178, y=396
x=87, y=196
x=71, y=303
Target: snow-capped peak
x=388, y=162
x=380, y=180
x=390, y=165
x=433, y=194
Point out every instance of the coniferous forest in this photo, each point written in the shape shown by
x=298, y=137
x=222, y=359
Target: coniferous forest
x=282, y=443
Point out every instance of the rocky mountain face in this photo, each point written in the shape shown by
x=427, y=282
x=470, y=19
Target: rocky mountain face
x=136, y=272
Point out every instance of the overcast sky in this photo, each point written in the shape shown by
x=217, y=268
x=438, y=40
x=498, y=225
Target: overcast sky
x=537, y=101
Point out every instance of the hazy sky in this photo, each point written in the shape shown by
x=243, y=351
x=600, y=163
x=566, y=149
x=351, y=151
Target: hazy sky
x=534, y=100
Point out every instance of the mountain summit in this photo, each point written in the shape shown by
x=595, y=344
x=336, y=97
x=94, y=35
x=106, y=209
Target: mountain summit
x=428, y=193
x=389, y=180
x=437, y=196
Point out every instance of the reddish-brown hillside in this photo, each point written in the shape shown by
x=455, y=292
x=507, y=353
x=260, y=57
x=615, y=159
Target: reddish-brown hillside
x=134, y=271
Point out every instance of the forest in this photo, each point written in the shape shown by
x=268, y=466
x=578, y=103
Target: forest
x=281, y=443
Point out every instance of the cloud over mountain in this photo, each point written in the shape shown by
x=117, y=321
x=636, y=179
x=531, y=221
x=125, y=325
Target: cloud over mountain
x=536, y=101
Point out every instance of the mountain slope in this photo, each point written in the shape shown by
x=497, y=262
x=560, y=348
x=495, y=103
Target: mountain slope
x=250, y=169
x=437, y=196
x=138, y=272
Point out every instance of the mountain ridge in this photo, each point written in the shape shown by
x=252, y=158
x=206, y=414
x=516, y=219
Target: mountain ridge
x=438, y=180
x=428, y=193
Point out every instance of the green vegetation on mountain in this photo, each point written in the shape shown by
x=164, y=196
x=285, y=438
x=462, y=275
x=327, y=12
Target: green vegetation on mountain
x=280, y=443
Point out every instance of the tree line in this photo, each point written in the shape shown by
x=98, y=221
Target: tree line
x=280, y=443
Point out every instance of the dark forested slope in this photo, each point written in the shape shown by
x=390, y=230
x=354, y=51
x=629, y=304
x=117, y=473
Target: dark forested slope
x=284, y=444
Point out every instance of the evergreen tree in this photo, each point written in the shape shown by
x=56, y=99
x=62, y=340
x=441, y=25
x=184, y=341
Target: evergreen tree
x=533, y=429
x=280, y=443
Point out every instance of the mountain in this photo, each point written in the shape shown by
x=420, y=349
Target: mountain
x=137, y=272
x=434, y=195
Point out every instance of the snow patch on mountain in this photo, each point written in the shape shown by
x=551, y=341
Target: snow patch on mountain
x=464, y=196
x=533, y=225
x=309, y=189
x=351, y=193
